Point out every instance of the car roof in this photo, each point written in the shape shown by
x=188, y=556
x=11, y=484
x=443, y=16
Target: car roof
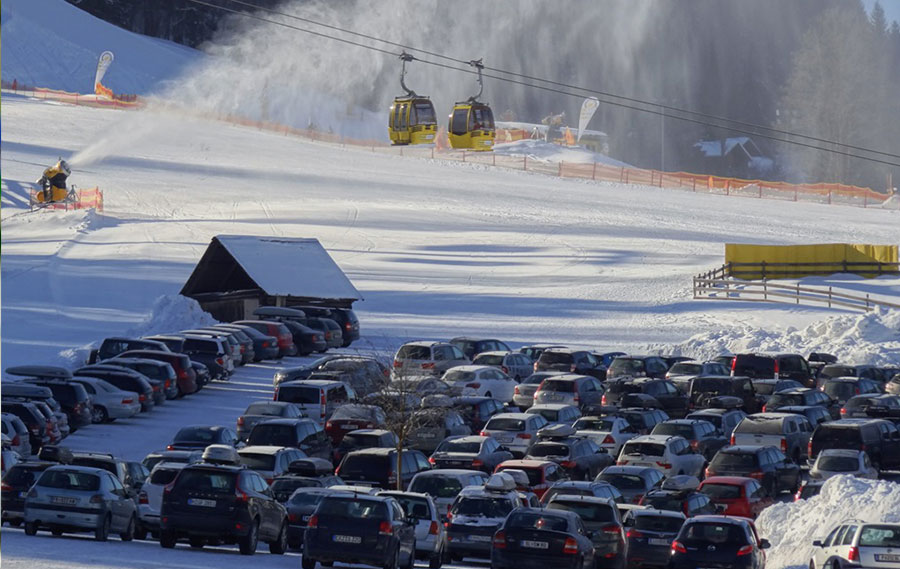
x=311, y=383
x=471, y=367
x=739, y=449
x=566, y=376
x=684, y=421
x=840, y=452
x=657, y=513
x=377, y=432
x=496, y=353
x=587, y=484
x=262, y=449
x=729, y=480
x=625, y=469
x=549, y=407
x=72, y=467
x=654, y=439
x=169, y=465
x=606, y=501
x=285, y=421
x=470, y=439
x=214, y=467
x=734, y=520
x=448, y=472
x=423, y=343
x=522, y=416
x=525, y=463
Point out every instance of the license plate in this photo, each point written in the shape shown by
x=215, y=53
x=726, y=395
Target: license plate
x=347, y=539
x=481, y=538
x=351, y=427
x=63, y=500
x=305, y=518
x=201, y=502
x=427, y=435
x=429, y=136
x=504, y=438
x=658, y=541
x=535, y=544
x=23, y=493
x=887, y=557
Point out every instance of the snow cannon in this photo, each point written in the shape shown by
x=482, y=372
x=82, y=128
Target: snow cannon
x=53, y=184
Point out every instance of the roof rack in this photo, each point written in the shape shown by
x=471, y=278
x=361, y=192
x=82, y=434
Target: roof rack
x=50, y=372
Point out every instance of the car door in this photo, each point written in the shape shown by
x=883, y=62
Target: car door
x=406, y=533
x=258, y=490
x=122, y=506
x=890, y=444
x=786, y=470
x=820, y=554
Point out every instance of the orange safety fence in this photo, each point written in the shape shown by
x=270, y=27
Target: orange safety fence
x=84, y=199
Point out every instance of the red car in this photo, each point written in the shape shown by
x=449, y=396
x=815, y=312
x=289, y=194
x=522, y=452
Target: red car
x=541, y=473
x=278, y=330
x=741, y=496
x=352, y=417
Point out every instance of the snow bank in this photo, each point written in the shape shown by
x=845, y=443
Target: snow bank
x=872, y=338
x=792, y=527
x=549, y=152
x=171, y=313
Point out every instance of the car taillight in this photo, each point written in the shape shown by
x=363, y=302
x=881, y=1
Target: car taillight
x=504, y=369
x=170, y=447
x=220, y=361
x=523, y=436
x=16, y=441
x=665, y=465
x=168, y=383
x=431, y=460
x=433, y=528
x=633, y=533
x=143, y=499
x=269, y=481
x=608, y=440
x=348, y=326
x=499, y=540
x=764, y=408
x=316, y=338
x=776, y=369
x=746, y=550
x=275, y=395
x=5, y=487
x=853, y=554
x=809, y=449
x=732, y=439
x=568, y=464
x=240, y=495
x=483, y=434
x=156, y=387
x=571, y=546
x=603, y=400
x=621, y=463
x=265, y=344
x=733, y=364
x=758, y=474
x=329, y=425
x=240, y=421
x=637, y=498
x=516, y=390
x=678, y=547
x=313, y=522
x=473, y=385
x=398, y=363
x=96, y=499
x=477, y=462
x=707, y=473
x=535, y=366
x=784, y=445
x=392, y=478
x=428, y=366
x=694, y=444
x=385, y=528
x=843, y=411
x=293, y=518
x=797, y=495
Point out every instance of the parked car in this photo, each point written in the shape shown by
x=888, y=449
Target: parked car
x=471, y=347
x=843, y=388
x=787, y=431
x=688, y=501
x=523, y=394
x=650, y=534
x=580, y=457
x=778, y=366
x=445, y=484
x=304, y=473
x=881, y=406
x=151, y=495
x=316, y=398
x=556, y=413
x=486, y=381
x=263, y=410
x=108, y=401
x=530, y=536
x=832, y=462
x=304, y=434
x=740, y=495
x=809, y=489
x=632, y=481
x=213, y=352
x=476, y=410
x=682, y=372
x=433, y=425
x=219, y=502
x=300, y=505
x=112, y=347
x=641, y=420
x=669, y=398
x=878, y=437
x=126, y=380
x=155, y=372
x=719, y=540
x=369, y=530
x=269, y=461
x=131, y=478
x=228, y=345
x=764, y=388
x=637, y=366
x=364, y=438
x=72, y=397
x=703, y=436
x=767, y=464
x=352, y=417
x=534, y=351
x=247, y=350
x=181, y=363
x=858, y=544
x=470, y=452
x=17, y=481
x=515, y=431
x=542, y=474
x=344, y=317
x=378, y=467
x=815, y=414
x=431, y=536
x=672, y=455
x=581, y=362
x=19, y=439
x=610, y=432
x=477, y=514
x=725, y=420
x=804, y=396
x=515, y=365
x=587, y=488
x=182, y=456
x=426, y=358
x=277, y=330
x=198, y=437
x=366, y=374
x=265, y=347
x=570, y=389
x=319, y=328
x=703, y=391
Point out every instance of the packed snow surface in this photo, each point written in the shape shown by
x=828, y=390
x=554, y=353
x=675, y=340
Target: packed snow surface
x=792, y=527
x=550, y=152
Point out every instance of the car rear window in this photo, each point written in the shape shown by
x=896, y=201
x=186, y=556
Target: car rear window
x=483, y=506
x=716, y=533
x=880, y=536
x=460, y=446
x=414, y=507
x=594, y=424
x=459, y=375
x=646, y=449
x=664, y=502
x=556, y=358
x=840, y=389
x=203, y=346
x=785, y=400
x=106, y=465
x=354, y=412
x=436, y=486
x=163, y=476
x=622, y=481
x=354, y=509
x=302, y=498
x=681, y=430
x=743, y=460
x=414, y=353
x=206, y=481
x=351, y=440
x=722, y=491
x=538, y=521
x=558, y=386
x=837, y=437
x=686, y=369
x=838, y=463
x=70, y=480
x=21, y=475
x=488, y=360
x=591, y=513
x=626, y=366
x=263, y=409
x=761, y=425
x=662, y=524
x=711, y=385
x=361, y=465
x=505, y=424
x=301, y=394
x=191, y=434
x=255, y=461
x=549, y=449
x=764, y=388
x=273, y=434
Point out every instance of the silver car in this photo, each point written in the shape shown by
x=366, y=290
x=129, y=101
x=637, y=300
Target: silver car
x=78, y=499
x=515, y=365
x=15, y=429
x=426, y=358
x=150, y=496
x=110, y=402
x=515, y=431
x=523, y=396
x=833, y=461
x=431, y=536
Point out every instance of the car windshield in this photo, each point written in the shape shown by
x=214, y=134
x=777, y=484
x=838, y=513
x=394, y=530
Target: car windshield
x=488, y=360
x=663, y=502
x=436, y=486
x=162, y=476
x=300, y=499
x=734, y=460
x=363, y=465
x=646, y=449
x=594, y=424
x=722, y=491
x=686, y=369
x=662, y=524
x=713, y=533
x=760, y=425
x=625, y=366
x=354, y=412
x=538, y=521
x=842, y=390
x=558, y=386
x=414, y=353
x=70, y=480
x=195, y=434
x=678, y=429
x=838, y=463
x=459, y=446
x=784, y=400
x=459, y=375
x=505, y=424
x=264, y=409
x=535, y=476
x=622, y=481
x=549, y=414
x=880, y=536
x=353, y=508
x=589, y=513
x=352, y=440
x=273, y=434
x=556, y=358
x=549, y=449
x=255, y=461
x=483, y=506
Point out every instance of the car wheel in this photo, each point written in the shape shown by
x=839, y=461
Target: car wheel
x=197, y=542
x=167, y=539
x=411, y=562
x=102, y=531
x=307, y=563
x=280, y=545
x=140, y=532
x=15, y=523
x=812, y=564
x=393, y=561
x=248, y=543
x=436, y=560
x=488, y=394
x=55, y=531
x=31, y=528
x=99, y=415
x=128, y=534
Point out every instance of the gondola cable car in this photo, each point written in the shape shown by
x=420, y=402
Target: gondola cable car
x=412, y=119
x=472, y=122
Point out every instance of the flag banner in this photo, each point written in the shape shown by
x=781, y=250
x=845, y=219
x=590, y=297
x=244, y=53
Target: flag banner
x=588, y=107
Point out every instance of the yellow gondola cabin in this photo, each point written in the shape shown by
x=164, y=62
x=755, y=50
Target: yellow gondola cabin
x=412, y=120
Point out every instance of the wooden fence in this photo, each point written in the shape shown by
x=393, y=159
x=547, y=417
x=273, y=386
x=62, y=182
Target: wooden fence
x=791, y=270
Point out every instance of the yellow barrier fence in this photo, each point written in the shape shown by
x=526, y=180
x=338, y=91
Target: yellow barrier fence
x=751, y=262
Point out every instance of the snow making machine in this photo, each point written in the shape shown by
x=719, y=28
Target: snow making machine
x=53, y=189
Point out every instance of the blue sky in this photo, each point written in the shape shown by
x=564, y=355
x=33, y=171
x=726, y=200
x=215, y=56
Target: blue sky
x=891, y=8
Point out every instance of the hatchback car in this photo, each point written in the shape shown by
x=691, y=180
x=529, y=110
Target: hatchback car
x=719, y=540
x=426, y=358
x=150, y=496
x=444, y=485
x=581, y=458
x=17, y=481
x=725, y=420
x=78, y=499
x=515, y=431
x=788, y=431
x=476, y=411
x=832, y=462
x=487, y=381
x=542, y=474
x=378, y=467
x=570, y=389
x=433, y=425
x=515, y=365
x=601, y=519
x=637, y=366
x=859, y=544
x=650, y=534
x=632, y=481
x=278, y=330
x=477, y=514
x=364, y=438
x=263, y=410
x=580, y=362
x=523, y=394
x=766, y=464
x=703, y=435
x=740, y=495
x=587, y=488
x=882, y=406
x=878, y=437
x=471, y=347
x=672, y=455
x=431, y=536
x=198, y=437
x=352, y=417
x=688, y=501
x=352, y=528
x=153, y=370
x=532, y=536
x=300, y=505
x=269, y=461
x=610, y=433
x=304, y=434
x=804, y=396
x=556, y=413
x=471, y=452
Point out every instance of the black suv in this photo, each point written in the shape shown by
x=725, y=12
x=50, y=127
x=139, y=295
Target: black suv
x=778, y=366
x=72, y=397
x=112, y=347
x=350, y=528
x=566, y=360
x=670, y=398
x=305, y=434
x=210, y=503
x=126, y=380
x=378, y=467
x=802, y=396
x=688, y=501
x=775, y=472
x=718, y=541
x=878, y=437
x=637, y=366
x=708, y=386
x=704, y=437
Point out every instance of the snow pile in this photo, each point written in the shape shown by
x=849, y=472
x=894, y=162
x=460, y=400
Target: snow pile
x=543, y=151
x=50, y=43
x=171, y=313
x=871, y=338
x=792, y=527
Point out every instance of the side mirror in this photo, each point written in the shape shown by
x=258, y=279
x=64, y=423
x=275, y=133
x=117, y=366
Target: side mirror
x=817, y=543
x=764, y=544
x=720, y=508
